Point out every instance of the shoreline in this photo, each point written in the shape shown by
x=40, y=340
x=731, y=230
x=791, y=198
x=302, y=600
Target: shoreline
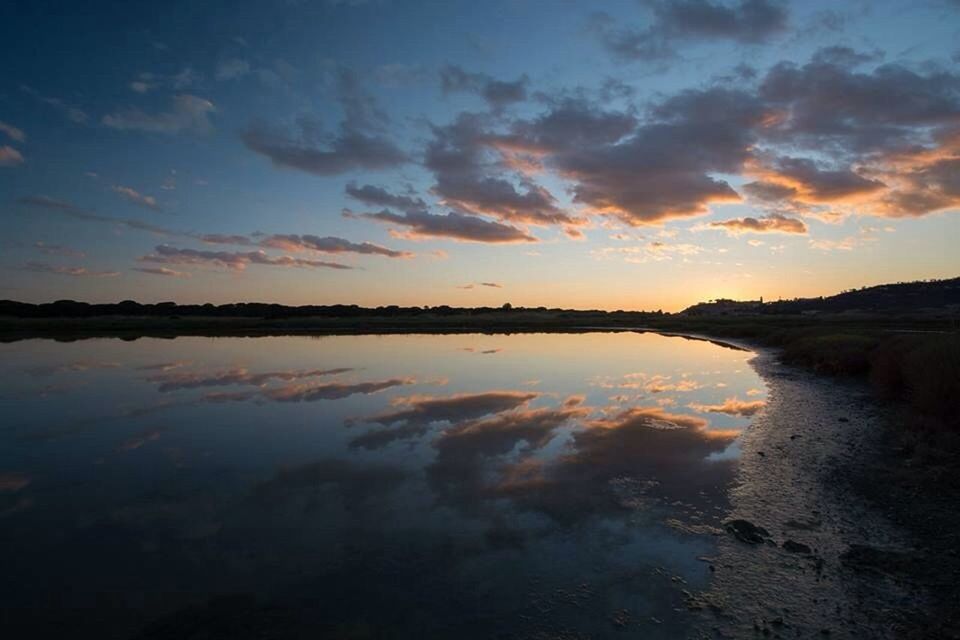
x=858, y=572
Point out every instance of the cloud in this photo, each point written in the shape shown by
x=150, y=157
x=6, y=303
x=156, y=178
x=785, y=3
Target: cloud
x=57, y=250
x=493, y=285
x=180, y=380
x=844, y=244
x=43, y=267
x=147, y=82
x=745, y=22
x=456, y=226
x=137, y=198
x=453, y=408
x=359, y=143
x=188, y=113
x=232, y=69
x=162, y=271
x=731, y=406
x=379, y=197
x=769, y=191
x=222, y=238
x=569, y=123
x=328, y=244
x=836, y=110
x=10, y=157
x=235, y=260
x=416, y=413
x=653, y=251
x=617, y=464
x=891, y=133
x=13, y=481
x=15, y=134
x=290, y=242
x=497, y=93
x=72, y=113
x=347, y=151
x=773, y=223
x=468, y=180
x=74, y=211
x=812, y=183
x=310, y=393
x=459, y=473
x=665, y=169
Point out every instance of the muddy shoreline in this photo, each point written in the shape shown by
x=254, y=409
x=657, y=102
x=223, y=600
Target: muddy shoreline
x=818, y=475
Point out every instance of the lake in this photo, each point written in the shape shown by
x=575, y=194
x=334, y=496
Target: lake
x=469, y=485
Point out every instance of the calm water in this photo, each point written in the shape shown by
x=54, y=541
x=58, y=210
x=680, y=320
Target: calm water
x=538, y=485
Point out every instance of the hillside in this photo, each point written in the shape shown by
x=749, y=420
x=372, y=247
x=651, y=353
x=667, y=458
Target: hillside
x=902, y=297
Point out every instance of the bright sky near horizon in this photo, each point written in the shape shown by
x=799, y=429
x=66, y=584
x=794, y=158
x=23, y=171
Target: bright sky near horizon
x=619, y=155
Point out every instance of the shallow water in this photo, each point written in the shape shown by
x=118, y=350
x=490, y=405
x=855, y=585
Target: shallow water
x=531, y=485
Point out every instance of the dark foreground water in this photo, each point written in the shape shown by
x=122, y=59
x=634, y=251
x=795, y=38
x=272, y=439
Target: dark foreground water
x=462, y=486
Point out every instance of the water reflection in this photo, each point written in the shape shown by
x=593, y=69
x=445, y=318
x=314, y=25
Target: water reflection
x=365, y=486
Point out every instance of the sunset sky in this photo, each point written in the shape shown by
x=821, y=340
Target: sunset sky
x=616, y=155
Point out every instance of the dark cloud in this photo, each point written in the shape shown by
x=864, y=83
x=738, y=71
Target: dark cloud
x=415, y=414
x=829, y=107
x=616, y=464
x=379, y=197
x=347, y=151
x=454, y=408
x=747, y=22
x=468, y=179
x=456, y=226
x=664, y=169
x=844, y=56
x=568, y=124
x=497, y=93
x=925, y=182
x=465, y=452
x=769, y=191
x=816, y=184
x=236, y=260
x=774, y=223
x=179, y=380
x=360, y=110
x=359, y=143
x=220, y=238
x=328, y=244
x=308, y=392
x=331, y=390
x=289, y=242
x=74, y=211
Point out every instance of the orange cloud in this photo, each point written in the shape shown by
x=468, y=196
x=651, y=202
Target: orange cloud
x=731, y=406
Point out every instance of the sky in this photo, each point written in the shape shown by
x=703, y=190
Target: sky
x=639, y=154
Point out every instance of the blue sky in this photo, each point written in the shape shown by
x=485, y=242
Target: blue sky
x=615, y=155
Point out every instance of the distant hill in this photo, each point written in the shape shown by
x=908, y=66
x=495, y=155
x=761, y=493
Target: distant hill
x=902, y=297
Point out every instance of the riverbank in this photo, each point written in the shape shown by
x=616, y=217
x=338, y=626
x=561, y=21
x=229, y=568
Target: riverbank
x=848, y=548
